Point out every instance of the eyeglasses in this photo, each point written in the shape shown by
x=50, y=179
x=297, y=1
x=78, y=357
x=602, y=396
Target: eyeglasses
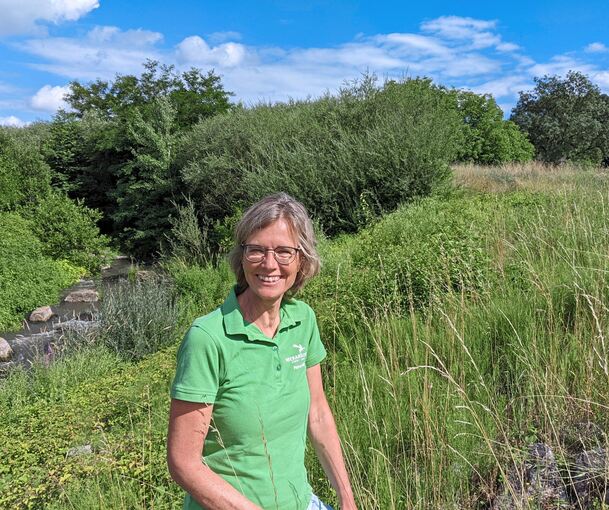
x=283, y=254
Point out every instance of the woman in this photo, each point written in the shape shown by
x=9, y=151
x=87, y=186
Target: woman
x=248, y=382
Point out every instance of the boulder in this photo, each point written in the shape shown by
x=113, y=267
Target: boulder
x=42, y=314
x=536, y=483
x=85, y=449
x=6, y=353
x=591, y=477
x=82, y=296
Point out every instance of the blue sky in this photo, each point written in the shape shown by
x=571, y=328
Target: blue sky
x=275, y=50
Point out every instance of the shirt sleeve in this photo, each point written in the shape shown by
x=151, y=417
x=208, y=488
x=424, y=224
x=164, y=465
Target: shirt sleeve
x=316, y=351
x=197, y=376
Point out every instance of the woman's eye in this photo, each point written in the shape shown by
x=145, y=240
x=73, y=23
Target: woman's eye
x=282, y=252
x=258, y=252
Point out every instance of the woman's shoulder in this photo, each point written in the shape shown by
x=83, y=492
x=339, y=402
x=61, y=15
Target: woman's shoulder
x=208, y=325
x=297, y=309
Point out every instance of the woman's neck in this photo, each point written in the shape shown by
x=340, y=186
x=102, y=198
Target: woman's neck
x=264, y=314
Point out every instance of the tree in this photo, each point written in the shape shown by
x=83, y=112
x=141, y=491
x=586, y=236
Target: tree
x=488, y=138
x=566, y=119
x=115, y=146
x=193, y=94
x=145, y=191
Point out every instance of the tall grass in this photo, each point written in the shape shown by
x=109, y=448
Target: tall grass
x=438, y=388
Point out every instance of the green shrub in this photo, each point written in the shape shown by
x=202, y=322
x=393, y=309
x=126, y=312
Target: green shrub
x=348, y=157
x=488, y=138
x=410, y=257
x=139, y=317
x=28, y=278
x=201, y=288
x=68, y=230
x=24, y=176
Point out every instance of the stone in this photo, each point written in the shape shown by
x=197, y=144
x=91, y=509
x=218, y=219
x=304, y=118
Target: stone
x=85, y=449
x=82, y=296
x=42, y=314
x=591, y=477
x=6, y=353
x=145, y=276
x=536, y=483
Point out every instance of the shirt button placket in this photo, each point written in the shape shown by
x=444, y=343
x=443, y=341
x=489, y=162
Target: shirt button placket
x=277, y=360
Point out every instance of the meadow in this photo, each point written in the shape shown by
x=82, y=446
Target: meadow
x=461, y=329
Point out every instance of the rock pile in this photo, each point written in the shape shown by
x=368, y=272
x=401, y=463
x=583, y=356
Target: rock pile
x=582, y=483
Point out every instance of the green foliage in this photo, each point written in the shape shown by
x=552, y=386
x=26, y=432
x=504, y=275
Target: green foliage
x=566, y=119
x=488, y=139
x=194, y=95
x=145, y=186
x=24, y=176
x=140, y=317
x=115, y=148
x=28, y=278
x=201, y=288
x=68, y=231
x=422, y=250
x=348, y=158
x=434, y=403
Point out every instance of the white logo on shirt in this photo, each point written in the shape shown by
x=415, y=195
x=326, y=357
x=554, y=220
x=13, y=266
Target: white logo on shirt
x=298, y=360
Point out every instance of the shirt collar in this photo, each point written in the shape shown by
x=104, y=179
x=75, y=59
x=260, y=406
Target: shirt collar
x=235, y=324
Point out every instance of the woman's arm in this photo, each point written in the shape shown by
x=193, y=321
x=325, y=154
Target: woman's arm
x=188, y=425
x=323, y=435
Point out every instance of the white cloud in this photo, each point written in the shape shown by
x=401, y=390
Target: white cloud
x=102, y=53
x=560, y=65
x=602, y=79
x=12, y=121
x=50, y=99
x=24, y=16
x=596, y=47
x=414, y=44
x=507, y=47
x=195, y=51
x=478, y=33
x=504, y=87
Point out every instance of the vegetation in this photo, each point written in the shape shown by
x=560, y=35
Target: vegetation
x=566, y=119
x=140, y=147
x=488, y=138
x=349, y=157
x=47, y=241
x=439, y=380
x=115, y=149
x=463, y=311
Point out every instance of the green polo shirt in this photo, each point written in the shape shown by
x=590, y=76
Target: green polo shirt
x=257, y=437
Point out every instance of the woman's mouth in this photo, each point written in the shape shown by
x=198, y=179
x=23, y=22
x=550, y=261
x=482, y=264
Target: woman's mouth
x=268, y=279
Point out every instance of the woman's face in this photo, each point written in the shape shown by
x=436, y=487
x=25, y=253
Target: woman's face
x=268, y=280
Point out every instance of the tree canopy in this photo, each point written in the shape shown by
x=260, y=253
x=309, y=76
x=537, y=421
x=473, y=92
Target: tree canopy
x=194, y=95
x=566, y=119
x=488, y=138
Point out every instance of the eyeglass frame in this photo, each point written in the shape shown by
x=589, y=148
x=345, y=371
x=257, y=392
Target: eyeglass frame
x=296, y=251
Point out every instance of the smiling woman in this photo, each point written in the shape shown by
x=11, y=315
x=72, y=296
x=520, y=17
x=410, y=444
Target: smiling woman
x=248, y=384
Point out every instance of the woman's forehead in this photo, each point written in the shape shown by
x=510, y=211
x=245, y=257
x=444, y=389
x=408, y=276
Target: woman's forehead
x=280, y=231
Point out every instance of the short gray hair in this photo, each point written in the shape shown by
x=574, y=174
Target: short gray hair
x=261, y=215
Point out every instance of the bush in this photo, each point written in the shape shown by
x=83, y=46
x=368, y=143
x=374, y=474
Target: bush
x=565, y=119
x=68, y=230
x=28, y=278
x=410, y=257
x=347, y=158
x=201, y=288
x=140, y=317
x=24, y=176
x=488, y=139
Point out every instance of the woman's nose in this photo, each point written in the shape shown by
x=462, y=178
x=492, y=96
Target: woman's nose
x=269, y=259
